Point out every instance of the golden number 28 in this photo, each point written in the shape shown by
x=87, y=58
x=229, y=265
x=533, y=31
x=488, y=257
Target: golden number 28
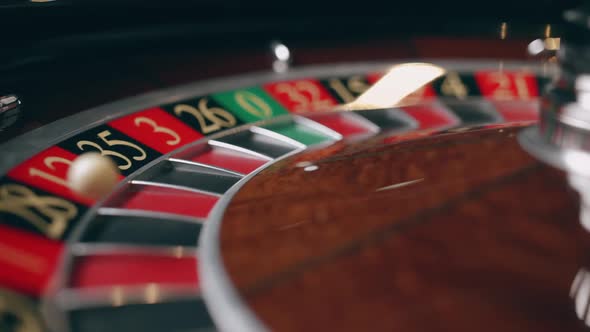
x=24, y=203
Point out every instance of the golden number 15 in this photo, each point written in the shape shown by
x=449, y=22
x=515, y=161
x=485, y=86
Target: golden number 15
x=354, y=86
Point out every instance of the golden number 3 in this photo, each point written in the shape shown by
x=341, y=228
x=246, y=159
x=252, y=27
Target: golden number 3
x=158, y=129
x=24, y=203
x=50, y=163
x=253, y=104
x=114, y=142
x=218, y=117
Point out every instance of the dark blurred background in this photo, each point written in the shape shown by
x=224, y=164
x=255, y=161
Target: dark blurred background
x=65, y=56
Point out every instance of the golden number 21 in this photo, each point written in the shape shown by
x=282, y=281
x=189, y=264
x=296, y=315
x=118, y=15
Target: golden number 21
x=503, y=86
x=218, y=117
x=24, y=203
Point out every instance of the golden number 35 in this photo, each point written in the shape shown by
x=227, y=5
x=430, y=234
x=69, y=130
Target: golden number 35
x=103, y=135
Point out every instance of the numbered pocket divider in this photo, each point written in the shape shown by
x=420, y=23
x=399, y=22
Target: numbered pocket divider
x=149, y=308
x=36, y=260
x=432, y=115
x=106, y=265
x=169, y=200
x=389, y=120
x=472, y=111
x=348, y=124
x=188, y=175
x=517, y=110
x=258, y=142
x=242, y=162
x=120, y=284
x=298, y=131
x=136, y=227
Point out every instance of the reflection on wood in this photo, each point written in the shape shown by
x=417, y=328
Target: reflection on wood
x=488, y=241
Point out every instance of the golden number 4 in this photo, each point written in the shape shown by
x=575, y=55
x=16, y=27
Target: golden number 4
x=218, y=117
x=158, y=129
x=24, y=203
x=114, y=142
x=453, y=86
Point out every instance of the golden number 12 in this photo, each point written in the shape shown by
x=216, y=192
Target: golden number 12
x=50, y=163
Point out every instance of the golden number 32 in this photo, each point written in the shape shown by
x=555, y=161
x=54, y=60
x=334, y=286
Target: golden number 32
x=24, y=203
x=103, y=135
x=305, y=94
x=218, y=117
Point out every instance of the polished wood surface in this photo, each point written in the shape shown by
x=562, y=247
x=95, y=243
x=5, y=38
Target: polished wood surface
x=460, y=231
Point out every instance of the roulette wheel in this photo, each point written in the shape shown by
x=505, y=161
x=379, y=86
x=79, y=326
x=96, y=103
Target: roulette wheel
x=326, y=184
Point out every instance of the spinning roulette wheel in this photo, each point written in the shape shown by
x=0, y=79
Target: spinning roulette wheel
x=366, y=195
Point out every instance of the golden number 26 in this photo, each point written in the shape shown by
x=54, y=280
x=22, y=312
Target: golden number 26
x=218, y=117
